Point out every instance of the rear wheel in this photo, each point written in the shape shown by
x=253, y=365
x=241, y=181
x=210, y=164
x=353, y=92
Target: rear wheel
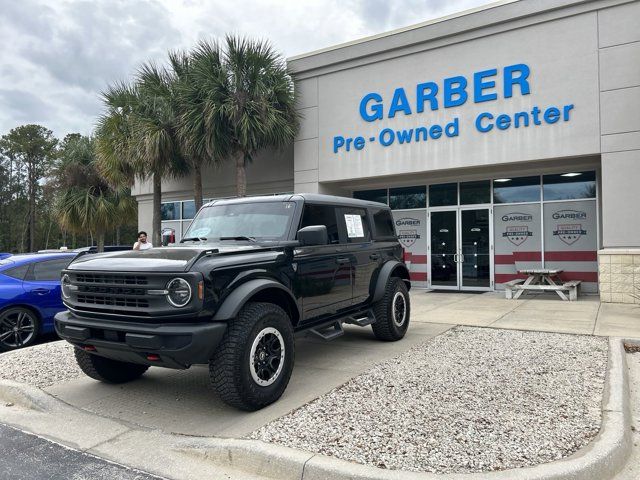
x=252, y=365
x=107, y=370
x=19, y=327
x=392, y=311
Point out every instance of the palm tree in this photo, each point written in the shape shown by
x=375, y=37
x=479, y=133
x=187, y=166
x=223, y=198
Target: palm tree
x=137, y=136
x=86, y=202
x=243, y=101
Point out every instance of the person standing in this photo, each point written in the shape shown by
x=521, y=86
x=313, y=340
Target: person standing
x=142, y=243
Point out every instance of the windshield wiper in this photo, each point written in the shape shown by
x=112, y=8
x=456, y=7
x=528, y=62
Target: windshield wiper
x=193, y=239
x=239, y=237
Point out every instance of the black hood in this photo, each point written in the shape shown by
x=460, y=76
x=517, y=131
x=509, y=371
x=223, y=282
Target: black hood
x=166, y=259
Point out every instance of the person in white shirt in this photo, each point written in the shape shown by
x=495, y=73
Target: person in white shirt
x=142, y=243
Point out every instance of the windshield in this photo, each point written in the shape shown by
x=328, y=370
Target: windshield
x=263, y=221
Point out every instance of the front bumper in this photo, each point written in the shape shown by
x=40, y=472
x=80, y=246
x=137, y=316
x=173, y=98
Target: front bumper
x=176, y=345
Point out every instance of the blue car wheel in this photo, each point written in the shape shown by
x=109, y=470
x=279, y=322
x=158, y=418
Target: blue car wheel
x=19, y=328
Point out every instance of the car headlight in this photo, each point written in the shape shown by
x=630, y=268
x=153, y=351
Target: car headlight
x=178, y=292
x=66, y=286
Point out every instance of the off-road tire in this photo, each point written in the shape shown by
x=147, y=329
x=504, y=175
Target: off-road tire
x=107, y=370
x=385, y=328
x=229, y=369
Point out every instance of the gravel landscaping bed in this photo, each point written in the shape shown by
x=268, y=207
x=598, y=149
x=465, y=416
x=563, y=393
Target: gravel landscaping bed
x=40, y=365
x=469, y=400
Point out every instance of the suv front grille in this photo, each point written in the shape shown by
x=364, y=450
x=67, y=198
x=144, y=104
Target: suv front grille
x=102, y=278
x=112, y=301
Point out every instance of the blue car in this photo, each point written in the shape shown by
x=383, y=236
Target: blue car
x=29, y=296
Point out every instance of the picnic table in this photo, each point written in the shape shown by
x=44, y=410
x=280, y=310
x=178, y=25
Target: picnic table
x=542, y=279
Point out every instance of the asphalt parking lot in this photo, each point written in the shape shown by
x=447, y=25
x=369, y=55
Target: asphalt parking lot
x=179, y=401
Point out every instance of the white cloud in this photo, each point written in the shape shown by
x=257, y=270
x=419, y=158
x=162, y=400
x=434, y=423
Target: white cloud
x=58, y=56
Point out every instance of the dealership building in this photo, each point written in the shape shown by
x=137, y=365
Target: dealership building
x=503, y=138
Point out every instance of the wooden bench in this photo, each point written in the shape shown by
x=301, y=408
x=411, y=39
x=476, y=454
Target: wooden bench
x=510, y=286
x=571, y=287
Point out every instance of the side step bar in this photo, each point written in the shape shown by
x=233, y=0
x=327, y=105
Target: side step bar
x=334, y=329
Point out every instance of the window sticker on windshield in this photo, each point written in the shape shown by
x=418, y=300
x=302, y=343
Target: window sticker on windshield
x=354, y=226
x=200, y=232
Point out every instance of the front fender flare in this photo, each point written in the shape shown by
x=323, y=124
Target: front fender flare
x=240, y=296
x=389, y=269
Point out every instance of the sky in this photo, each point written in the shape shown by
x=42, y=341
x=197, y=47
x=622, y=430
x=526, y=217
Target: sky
x=58, y=56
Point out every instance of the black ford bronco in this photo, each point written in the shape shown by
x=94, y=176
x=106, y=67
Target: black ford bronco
x=248, y=274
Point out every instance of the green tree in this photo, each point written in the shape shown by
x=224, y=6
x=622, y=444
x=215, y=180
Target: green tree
x=30, y=150
x=241, y=100
x=86, y=201
x=137, y=135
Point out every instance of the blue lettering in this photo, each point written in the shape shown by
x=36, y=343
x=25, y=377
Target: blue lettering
x=455, y=86
x=387, y=137
x=510, y=80
x=399, y=102
x=452, y=129
x=405, y=136
x=488, y=126
x=421, y=131
x=373, y=112
x=567, y=109
x=503, y=121
x=358, y=143
x=435, y=132
x=338, y=142
x=521, y=115
x=422, y=96
x=479, y=85
x=551, y=115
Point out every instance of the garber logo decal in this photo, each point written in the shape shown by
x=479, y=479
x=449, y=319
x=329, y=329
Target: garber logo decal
x=517, y=234
x=569, y=215
x=569, y=234
x=517, y=217
x=408, y=237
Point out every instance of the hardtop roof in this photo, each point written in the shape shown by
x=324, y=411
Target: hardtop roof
x=305, y=197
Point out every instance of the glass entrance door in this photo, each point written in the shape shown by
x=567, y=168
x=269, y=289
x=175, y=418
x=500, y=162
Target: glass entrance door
x=444, y=249
x=460, y=249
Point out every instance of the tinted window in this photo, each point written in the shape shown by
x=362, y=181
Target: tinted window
x=567, y=186
x=408, y=197
x=17, y=272
x=188, y=209
x=379, y=195
x=516, y=190
x=48, y=270
x=475, y=192
x=171, y=211
x=443, y=194
x=383, y=223
x=356, y=224
x=321, y=215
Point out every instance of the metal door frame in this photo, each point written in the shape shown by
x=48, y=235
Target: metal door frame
x=458, y=210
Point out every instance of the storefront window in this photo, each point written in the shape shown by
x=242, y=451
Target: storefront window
x=379, y=195
x=516, y=190
x=188, y=209
x=408, y=197
x=171, y=211
x=443, y=194
x=569, y=186
x=475, y=192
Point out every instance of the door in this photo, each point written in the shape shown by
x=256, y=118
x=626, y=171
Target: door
x=42, y=286
x=460, y=247
x=324, y=272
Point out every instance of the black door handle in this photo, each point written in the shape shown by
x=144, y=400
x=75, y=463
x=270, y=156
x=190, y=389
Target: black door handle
x=374, y=256
x=343, y=260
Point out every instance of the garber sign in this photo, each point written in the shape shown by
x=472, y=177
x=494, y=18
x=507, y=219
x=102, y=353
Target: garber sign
x=452, y=92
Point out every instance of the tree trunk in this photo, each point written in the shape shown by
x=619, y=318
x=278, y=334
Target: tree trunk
x=197, y=185
x=32, y=207
x=118, y=235
x=100, y=236
x=156, y=239
x=241, y=175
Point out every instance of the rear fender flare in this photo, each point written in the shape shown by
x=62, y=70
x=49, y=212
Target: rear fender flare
x=390, y=269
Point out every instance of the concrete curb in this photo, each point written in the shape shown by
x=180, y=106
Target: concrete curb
x=188, y=457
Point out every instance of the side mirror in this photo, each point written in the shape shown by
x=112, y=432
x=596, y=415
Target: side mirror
x=313, y=235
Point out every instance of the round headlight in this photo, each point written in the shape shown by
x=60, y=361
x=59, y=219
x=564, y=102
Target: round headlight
x=66, y=286
x=179, y=292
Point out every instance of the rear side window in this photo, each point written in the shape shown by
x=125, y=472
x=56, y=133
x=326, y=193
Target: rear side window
x=356, y=224
x=17, y=272
x=383, y=223
x=321, y=215
x=48, y=270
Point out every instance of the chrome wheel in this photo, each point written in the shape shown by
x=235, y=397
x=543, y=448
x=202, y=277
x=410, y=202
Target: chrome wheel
x=266, y=358
x=399, y=309
x=17, y=328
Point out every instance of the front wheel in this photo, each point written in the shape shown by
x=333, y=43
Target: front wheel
x=19, y=327
x=253, y=363
x=107, y=370
x=392, y=311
